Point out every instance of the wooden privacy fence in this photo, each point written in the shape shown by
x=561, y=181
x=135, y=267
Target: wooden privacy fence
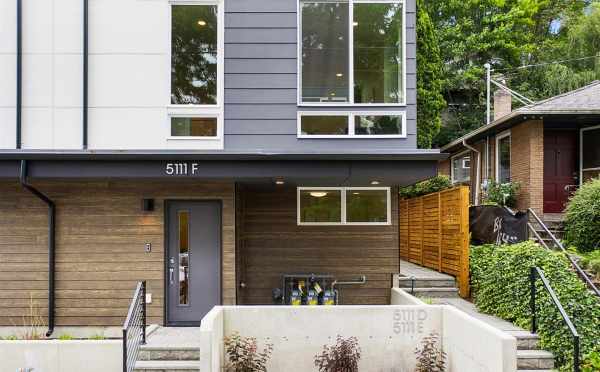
x=434, y=232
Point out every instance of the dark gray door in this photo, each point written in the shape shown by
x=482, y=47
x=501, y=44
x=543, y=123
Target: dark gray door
x=193, y=260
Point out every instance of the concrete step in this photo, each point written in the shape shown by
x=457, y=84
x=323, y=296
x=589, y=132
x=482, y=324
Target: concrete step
x=167, y=366
x=526, y=340
x=444, y=292
x=169, y=353
x=404, y=282
x=534, y=360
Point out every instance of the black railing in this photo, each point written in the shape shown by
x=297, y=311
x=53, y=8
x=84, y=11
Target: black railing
x=533, y=275
x=134, y=328
x=558, y=245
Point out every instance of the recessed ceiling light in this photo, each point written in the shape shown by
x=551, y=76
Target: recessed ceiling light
x=339, y=74
x=279, y=182
x=356, y=193
x=201, y=23
x=374, y=182
x=332, y=94
x=318, y=194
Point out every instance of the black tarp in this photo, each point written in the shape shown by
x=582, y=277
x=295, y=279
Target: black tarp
x=490, y=224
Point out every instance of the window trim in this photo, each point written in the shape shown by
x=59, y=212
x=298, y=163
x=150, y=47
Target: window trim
x=350, y=57
x=343, y=193
x=193, y=110
x=460, y=154
x=581, y=168
x=499, y=137
x=351, y=115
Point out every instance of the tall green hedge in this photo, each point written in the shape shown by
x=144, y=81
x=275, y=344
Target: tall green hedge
x=582, y=222
x=500, y=285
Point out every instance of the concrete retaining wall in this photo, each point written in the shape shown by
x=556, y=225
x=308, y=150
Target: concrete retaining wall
x=401, y=297
x=387, y=334
x=62, y=356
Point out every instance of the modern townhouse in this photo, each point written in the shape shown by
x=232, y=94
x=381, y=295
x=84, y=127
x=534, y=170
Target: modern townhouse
x=208, y=147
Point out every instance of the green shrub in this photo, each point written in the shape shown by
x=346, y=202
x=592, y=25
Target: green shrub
x=501, y=194
x=500, y=286
x=435, y=184
x=65, y=337
x=582, y=222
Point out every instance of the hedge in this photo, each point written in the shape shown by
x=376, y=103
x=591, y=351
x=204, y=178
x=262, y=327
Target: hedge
x=582, y=217
x=431, y=185
x=500, y=286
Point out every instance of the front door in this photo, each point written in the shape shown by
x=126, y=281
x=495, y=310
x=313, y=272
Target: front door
x=193, y=260
x=560, y=168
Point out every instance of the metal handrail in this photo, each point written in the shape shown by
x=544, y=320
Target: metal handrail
x=574, y=263
x=136, y=317
x=538, y=237
x=537, y=272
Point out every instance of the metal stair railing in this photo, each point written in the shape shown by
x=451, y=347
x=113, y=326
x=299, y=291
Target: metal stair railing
x=134, y=328
x=535, y=273
x=582, y=274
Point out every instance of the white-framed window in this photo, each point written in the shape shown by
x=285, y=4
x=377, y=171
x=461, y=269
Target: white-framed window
x=356, y=124
x=589, y=153
x=196, y=73
x=460, y=170
x=343, y=206
x=503, y=157
x=351, y=52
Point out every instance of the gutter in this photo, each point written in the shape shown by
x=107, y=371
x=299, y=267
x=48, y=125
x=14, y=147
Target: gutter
x=477, y=170
x=51, y=242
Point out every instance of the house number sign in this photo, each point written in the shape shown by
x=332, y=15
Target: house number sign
x=181, y=169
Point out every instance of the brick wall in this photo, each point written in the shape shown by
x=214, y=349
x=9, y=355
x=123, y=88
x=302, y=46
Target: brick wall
x=527, y=164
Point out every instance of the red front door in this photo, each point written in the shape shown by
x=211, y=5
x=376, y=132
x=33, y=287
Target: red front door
x=560, y=168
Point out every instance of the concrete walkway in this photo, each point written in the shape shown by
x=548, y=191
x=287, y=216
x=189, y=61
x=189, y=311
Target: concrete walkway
x=409, y=269
x=174, y=337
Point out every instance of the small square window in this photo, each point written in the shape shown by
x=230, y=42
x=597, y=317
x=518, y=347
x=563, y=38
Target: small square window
x=193, y=127
x=320, y=206
x=366, y=206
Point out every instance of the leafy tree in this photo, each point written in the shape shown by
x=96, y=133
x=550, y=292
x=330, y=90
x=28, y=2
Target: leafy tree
x=430, y=101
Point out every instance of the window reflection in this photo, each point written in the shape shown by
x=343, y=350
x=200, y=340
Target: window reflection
x=504, y=160
x=194, y=54
x=320, y=206
x=324, y=125
x=378, y=125
x=184, y=266
x=325, y=52
x=378, y=53
x=194, y=127
x=366, y=205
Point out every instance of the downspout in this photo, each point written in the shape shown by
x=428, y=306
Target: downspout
x=85, y=74
x=19, y=72
x=51, y=242
x=477, y=170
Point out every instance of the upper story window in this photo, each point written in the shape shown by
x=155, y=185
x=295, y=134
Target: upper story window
x=367, y=124
x=503, y=158
x=461, y=167
x=352, y=52
x=194, y=54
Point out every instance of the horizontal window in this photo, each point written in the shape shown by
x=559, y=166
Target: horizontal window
x=332, y=125
x=193, y=127
x=343, y=206
x=351, y=52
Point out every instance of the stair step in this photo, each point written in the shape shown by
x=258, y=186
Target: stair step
x=167, y=366
x=169, y=353
x=535, y=359
x=426, y=283
x=435, y=292
x=526, y=340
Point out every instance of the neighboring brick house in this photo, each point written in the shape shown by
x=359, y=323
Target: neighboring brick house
x=549, y=147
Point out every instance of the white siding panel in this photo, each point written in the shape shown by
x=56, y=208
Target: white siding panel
x=68, y=131
x=68, y=86
x=8, y=79
x=37, y=80
x=127, y=128
x=8, y=131
x=68, y=26
x=128, y=81
x=8, y=26
x=38, y=129
x=38, y=30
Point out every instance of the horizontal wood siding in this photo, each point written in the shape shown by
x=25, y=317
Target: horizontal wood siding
x=271, y=244
x=101, y=233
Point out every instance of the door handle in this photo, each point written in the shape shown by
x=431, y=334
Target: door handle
x=171, y=275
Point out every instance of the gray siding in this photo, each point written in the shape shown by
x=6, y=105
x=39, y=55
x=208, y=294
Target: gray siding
x=261, y=82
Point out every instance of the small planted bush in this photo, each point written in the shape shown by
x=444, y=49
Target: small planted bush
x=504, y=194
x=430, y=357
x=435, y=184
x=341, y=357
x=500, y=286
x=243, y=354
x=582, y=220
